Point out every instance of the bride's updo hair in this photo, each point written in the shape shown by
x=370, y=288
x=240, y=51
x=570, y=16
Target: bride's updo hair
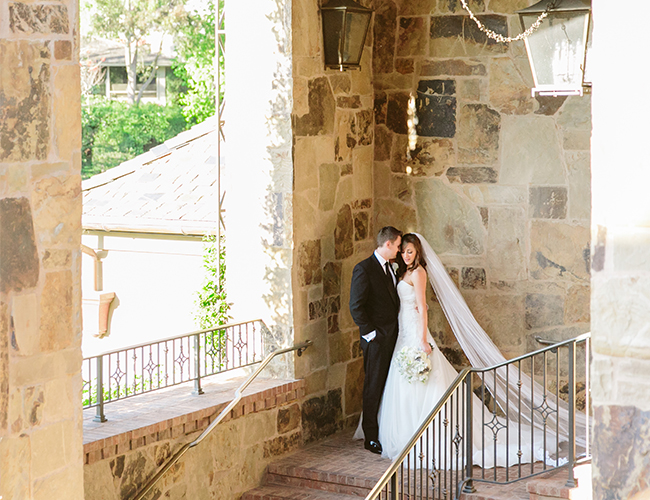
x=419, y=259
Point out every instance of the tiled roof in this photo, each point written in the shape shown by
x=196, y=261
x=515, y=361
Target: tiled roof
x=170, y=189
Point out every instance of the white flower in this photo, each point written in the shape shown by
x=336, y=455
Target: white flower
x=413, y=364
x=395, y=266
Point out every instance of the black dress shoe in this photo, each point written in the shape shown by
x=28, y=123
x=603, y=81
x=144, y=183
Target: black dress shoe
x=373, y=446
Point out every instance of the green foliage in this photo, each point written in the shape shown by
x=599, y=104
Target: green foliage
x=195, y=45
x=212, y=301
x=114, y=131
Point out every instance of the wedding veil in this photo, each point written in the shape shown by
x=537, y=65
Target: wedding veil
x=483, y=353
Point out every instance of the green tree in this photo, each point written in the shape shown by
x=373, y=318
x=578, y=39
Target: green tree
x=212, y=300
x=195, y=62
x=114, y=132
x=131, y=21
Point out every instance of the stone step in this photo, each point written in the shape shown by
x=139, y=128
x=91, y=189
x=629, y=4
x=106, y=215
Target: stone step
x=277, y=492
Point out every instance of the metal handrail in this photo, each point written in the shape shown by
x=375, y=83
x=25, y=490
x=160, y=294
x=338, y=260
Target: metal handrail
x=300, y=348
x=392, y=470
x=466, y=485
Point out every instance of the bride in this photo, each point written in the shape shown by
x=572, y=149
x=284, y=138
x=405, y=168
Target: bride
x=405, y=405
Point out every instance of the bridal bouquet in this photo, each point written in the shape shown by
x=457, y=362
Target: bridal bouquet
x=413, y=364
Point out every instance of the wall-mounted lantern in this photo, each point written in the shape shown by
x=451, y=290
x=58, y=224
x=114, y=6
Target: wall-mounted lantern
x=345, y=25
x=557, y=51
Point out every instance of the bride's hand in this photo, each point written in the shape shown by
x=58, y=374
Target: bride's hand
x=426, y=347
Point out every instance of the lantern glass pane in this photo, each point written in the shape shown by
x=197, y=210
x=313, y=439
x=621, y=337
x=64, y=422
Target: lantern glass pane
x=557, y=50
x=356, y=24
x=332, y=26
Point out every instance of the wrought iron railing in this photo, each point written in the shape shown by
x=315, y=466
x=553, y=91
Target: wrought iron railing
x=448, y=452
x=299, y=348
x=143, y=368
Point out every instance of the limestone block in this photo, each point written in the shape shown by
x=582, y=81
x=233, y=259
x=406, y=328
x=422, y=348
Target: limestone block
x=384, y=30
x=395, y=213
x=320, y=119
x=315, y=382
x=288, y=418
x=459, y=36
x=346, y=136
x=579, y=176
x=548, y=202
x=509, y=93
x=309, y=262
x=274, y=447
x=15, y=478
x=549, y=105
x=576, y=308
x=61, y=394
x=354, y=387
x=258, y=427
x=501, y=316
x=328, y=178
x=470, y=89
x=379, y=106
x=24, y=18
x=56, y=258
x=56, y=330
x=412, y=36
x=473, y=278
x=60, y=436
x=4, y=368
x=364, y=127
x=361, y=80
x=494, y=194
x=302, y=204
x=621, y=460
x=396, y=112
x=507, y=243
x=530, y=152
x=13, y=180
x=340, y=346
x=579, y=140
x=416, y=7
x=621, y=315
x=405, y=66
x=343, y=235
x=25, y=316
x=449, y=222
x=57, y=209
x=559, y=251
x=340, y=82
x=321, y=416
x=435, y=107
x=452, y=67
x=361, y=226
x=544, y=310
x=382, y=177
x=306, y=30
x=383, y=143
x=400, y=187
x=576, y=113
x=456, y=7
x=19, y=267
x=472, y=175
x=478, y=134
x=27, y=99
x=66, y=116
x=507, y=6
x=309, y=153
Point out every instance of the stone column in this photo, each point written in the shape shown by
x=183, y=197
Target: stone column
x=259, y=169
x=40, y=233
x=620, y=300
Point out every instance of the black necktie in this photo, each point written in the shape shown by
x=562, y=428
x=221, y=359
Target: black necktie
x=389, y=273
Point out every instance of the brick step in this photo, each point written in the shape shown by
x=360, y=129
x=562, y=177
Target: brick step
x=277, y=492
x=333, y=483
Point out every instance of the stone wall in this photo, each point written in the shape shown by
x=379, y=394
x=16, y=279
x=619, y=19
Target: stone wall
x=620, y=300
x=231, y=460
x=497, y=181
x=40, y=233
x=333, y=147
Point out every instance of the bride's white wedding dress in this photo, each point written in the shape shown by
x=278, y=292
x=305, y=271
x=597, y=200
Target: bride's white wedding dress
x=405, y=405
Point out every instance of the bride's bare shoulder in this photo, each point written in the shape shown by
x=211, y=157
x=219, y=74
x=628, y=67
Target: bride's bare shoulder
x=418, y=274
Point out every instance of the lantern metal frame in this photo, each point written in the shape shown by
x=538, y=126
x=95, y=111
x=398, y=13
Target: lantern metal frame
x=555, y=7
x=345, y=6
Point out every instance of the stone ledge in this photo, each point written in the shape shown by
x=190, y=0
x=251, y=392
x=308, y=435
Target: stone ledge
x=175, y=413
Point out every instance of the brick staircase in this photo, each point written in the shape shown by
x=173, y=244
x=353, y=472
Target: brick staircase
x=339, y=468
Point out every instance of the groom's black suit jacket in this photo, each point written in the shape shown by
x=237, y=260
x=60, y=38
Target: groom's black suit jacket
x=374, y=305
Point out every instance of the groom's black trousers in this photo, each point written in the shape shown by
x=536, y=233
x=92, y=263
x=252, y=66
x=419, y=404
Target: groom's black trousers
x=376, y=362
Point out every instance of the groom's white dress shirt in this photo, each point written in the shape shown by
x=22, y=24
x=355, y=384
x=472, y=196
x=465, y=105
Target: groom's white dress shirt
x=369, y=336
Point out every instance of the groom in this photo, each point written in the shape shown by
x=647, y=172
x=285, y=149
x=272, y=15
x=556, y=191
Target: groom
x=374, y=305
